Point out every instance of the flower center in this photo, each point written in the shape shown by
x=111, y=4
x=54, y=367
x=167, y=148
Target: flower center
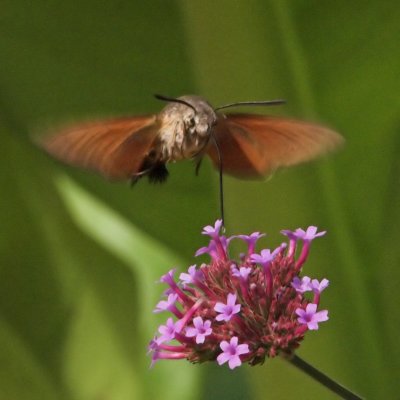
x=308, y=317
x=228, y=310
x=232, y=350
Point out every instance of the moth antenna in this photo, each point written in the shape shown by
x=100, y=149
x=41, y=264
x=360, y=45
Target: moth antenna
x=253, y=103
x=174, y=100
x=221, y=187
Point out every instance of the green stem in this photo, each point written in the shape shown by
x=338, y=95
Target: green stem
x=323, y=379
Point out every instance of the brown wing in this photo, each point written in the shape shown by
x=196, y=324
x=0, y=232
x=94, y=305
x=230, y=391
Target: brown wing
x=114, y=148
x=253, y=146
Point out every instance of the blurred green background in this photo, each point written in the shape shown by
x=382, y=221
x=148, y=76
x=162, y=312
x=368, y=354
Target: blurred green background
x=79, y=255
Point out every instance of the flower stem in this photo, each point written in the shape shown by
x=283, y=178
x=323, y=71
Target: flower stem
x=323, y=379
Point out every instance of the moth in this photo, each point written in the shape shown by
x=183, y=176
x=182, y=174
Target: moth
x=246, y=146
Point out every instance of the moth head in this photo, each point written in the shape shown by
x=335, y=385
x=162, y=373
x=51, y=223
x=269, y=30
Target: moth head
x=194, y=112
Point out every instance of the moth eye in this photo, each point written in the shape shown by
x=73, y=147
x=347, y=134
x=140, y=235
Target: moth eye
x=192, y=121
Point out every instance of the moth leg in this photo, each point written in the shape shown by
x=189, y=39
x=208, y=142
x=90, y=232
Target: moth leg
x=145, y=169
x=135, y=177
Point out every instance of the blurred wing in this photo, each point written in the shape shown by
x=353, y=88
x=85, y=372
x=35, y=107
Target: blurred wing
x=253, y=146
x=114, y=148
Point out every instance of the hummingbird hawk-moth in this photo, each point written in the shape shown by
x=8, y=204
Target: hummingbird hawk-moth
x=246, y=146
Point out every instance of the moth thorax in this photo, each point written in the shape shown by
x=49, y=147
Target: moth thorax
x=183, y=138
x=185, y=131
x=178, y=142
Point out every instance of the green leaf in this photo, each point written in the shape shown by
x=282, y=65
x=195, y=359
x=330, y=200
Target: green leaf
x=147, y=260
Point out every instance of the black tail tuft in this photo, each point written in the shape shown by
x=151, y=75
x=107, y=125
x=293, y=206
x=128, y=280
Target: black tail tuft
x=158, y=174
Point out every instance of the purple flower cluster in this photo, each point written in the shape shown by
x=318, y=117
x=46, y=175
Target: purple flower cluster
x=235, y=311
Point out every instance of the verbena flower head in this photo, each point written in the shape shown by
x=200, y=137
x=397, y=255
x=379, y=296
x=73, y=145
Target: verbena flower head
x=244, y=309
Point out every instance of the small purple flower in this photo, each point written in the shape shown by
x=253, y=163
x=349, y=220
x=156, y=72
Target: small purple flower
x=213, y=231
x=168, y=291
x=231, y=352
x=227, y=310
x=290, y=234
x=302, y=285
x=168, y=330
x=242, y=273
x=153, y=345
x=317, y=286
x=200, y=330
x=251, y=240
x=310, y=233
x=165, y=352
x=168, y=278
x=311, y=317
x=193, y=275
x=211, y=249
x=165, y=305
x=306, y=235
x=265, y=257
x=216, y=248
